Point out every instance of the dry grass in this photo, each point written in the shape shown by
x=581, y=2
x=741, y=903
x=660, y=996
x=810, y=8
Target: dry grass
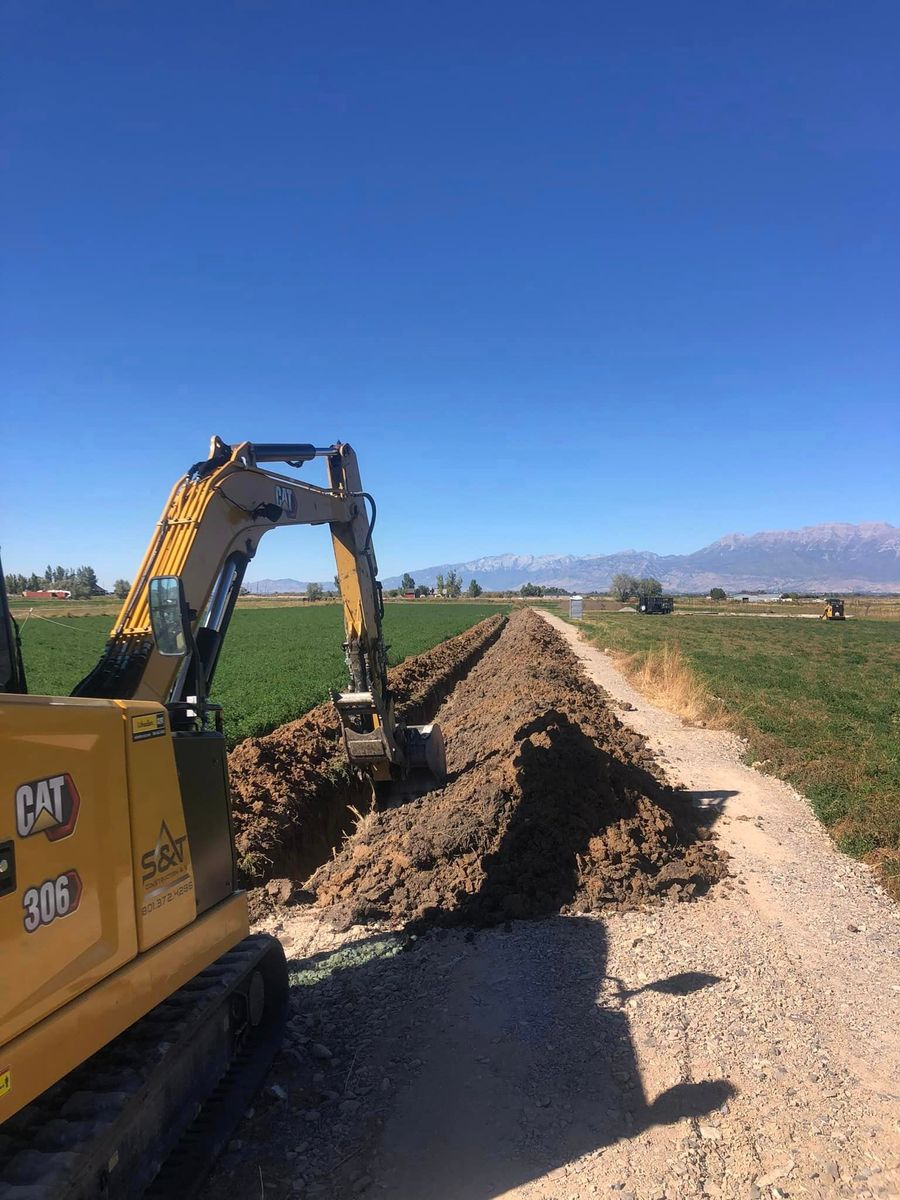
x=664, y=676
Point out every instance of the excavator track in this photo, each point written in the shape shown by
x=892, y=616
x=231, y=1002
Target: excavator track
x=147, y=1114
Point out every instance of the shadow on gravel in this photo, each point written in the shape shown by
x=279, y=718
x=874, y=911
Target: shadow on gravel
x=461, y=1062
x=528, y=1064
x=462, y=1065
x=710, y=801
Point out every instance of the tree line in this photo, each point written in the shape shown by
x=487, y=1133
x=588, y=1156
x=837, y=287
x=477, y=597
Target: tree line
x=625, y=587
x=450, y=586
x=82, y=582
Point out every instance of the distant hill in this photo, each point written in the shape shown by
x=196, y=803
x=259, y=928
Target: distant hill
x=843, y=558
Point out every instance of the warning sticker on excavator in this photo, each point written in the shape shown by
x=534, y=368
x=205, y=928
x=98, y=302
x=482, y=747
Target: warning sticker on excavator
x=5, y=1081
x=149, y=725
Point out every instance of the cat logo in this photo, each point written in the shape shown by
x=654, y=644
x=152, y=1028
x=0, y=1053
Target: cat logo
x=49, y=806
x=286, y=500
x=166, y=860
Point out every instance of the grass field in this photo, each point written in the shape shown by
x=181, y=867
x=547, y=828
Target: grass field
x=276, y=663
x=817, y=701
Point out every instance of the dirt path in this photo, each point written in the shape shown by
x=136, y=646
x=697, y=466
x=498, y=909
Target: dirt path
x=744, y=1045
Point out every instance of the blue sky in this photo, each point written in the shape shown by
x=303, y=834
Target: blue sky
x=571, y=278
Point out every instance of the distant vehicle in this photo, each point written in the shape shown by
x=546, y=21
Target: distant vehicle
x=834, y=609
x=47, y=594
x=655, y=604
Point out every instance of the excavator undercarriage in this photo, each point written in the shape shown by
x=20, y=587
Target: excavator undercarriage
x=148, y=1113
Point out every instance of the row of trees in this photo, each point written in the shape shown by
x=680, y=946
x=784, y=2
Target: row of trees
x=540, y=589
x=625, y=587
x=450, y=587
x=82, y=582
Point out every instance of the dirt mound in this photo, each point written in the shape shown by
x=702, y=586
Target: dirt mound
x=551, y=805
x=293, y=796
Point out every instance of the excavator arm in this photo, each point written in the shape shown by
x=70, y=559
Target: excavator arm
x=208, y=533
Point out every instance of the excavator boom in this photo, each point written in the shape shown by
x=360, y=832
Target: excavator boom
x=207, y=534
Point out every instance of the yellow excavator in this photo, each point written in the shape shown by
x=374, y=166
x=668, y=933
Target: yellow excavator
x=137, y=1014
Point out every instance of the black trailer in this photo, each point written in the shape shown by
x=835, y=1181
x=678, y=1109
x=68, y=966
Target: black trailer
x=655, y=604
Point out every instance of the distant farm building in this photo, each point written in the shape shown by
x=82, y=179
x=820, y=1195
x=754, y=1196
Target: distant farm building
x=47, y=594
x=757, y=597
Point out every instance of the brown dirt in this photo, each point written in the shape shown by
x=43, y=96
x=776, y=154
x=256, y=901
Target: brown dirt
x=293, y=797
x=551, y=806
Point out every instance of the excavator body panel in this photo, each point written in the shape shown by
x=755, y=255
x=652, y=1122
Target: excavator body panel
x=102, y=814
x=69, y=919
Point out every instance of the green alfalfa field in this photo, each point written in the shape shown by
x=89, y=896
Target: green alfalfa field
x=817, y=701
x=276, y=662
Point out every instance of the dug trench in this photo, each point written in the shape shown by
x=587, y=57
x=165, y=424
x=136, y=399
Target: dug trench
x=550, y=805
x=294, y=799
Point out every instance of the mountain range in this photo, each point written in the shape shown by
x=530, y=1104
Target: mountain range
x=834, y=557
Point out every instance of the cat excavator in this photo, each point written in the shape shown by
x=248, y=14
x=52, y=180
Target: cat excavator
x=138, y=1015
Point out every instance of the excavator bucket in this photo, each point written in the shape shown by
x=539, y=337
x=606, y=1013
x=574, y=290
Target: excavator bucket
x=413, y=749
x=425, y=751
x=365, y=739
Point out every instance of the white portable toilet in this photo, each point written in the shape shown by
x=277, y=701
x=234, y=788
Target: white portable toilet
x=576, y=607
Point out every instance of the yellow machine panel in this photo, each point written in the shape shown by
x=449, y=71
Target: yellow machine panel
x=161, y=857
x=69, y=920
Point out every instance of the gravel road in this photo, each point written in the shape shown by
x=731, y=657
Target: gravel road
x=745, y=1045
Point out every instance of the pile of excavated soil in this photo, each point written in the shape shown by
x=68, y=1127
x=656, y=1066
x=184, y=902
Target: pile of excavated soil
x=293, y=796
x=551, y=806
